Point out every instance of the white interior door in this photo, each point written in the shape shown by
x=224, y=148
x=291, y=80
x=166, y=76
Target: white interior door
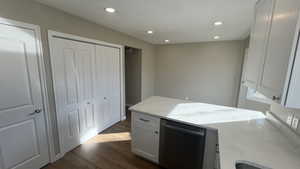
x=108, y=79
x=23, y=140
x=72, y=76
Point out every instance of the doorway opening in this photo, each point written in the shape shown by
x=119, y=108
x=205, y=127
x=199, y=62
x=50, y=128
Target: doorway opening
x=133, y=77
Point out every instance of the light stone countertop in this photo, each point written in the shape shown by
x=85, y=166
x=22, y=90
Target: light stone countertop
x=243, y=134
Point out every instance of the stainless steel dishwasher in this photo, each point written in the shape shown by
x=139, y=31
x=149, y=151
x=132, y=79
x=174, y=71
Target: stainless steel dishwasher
x=184, y=146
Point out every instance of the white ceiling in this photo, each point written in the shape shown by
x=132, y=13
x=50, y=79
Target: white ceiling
x=180, y=21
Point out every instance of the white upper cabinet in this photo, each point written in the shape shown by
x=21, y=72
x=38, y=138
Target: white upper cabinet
x=258, y=41
x=279, y=50
x=293, y=94
x=271, y=59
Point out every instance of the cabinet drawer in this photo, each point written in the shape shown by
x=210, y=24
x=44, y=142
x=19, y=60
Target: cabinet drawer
x=144, y=119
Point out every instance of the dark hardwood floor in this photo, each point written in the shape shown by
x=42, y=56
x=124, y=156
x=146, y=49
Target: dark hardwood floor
x=108, y=150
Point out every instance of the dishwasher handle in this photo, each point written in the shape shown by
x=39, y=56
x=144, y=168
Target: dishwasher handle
x=183, y=130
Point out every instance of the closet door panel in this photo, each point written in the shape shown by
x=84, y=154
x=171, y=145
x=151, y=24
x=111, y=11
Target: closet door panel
x=100, y=92
x=112, y=58
x=64, y=68
x=85, y=55
x=108, y=85
x=72, y=66
x=116, y=85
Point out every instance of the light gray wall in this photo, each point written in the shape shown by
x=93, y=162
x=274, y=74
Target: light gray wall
x=133, y=66
x=206, y=72
x=47, y=18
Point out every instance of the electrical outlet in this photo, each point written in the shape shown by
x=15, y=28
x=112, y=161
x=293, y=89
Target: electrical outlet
x=295, y=123
x=289, y=120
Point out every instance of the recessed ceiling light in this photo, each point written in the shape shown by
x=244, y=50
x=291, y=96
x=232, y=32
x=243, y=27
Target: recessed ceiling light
x=110, y=10
x=218, y=23
x=167, y=41
x=216, y=37
x=150, y=31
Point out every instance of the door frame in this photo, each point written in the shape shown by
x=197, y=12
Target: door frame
x=42, y=74
x=54, y=34
x=140, y=81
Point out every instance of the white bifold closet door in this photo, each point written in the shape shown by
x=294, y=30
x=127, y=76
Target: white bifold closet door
x=87, y=89
x=72, y=67
x=108, y=85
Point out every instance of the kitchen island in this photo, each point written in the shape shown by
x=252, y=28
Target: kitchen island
x=242, y=134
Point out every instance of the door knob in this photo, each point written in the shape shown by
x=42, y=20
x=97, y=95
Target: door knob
x=36, y=111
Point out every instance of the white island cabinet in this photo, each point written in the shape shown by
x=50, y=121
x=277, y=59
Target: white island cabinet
x=270, y=67
x=242, y=134
x=145, y=136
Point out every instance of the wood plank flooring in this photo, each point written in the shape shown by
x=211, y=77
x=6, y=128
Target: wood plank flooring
x=111, y=149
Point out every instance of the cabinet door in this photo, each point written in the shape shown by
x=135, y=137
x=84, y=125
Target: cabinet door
x=145, y=136
x=258, y=41
x=279, y=48
x=293, y=95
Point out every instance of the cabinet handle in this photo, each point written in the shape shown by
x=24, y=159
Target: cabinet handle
x=156, y=132
x=275, y=98
x=144, y=120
